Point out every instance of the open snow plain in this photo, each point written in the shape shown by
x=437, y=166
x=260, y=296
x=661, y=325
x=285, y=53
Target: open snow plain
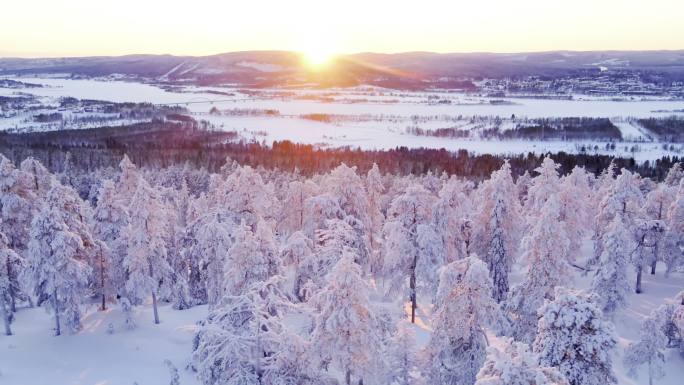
x=368, y=117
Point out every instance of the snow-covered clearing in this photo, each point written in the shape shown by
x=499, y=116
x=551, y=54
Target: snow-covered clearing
x=33, y=356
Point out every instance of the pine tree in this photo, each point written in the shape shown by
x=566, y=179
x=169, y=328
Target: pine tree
x=462, y=310
x=401, y=250
x=36, y=177
x=498, y=228
x=10, y=269
x=236, y=344
x=674, y=257
x=18, y=204
x=292, y=208
x=348, y=188
x=214, y=241
x=450, y=216
x=545, y=252
x=128, y=181
x=375, y=190
x=345, y=330
x=542, y=187
x=252, y=258
x=515, y=364
x=575, y=196
x=610, y=279
x=110, y=219
x=649, y=350
x=655, y=208
x=675, y=175
x=402, y=356
x=318, y=210
x=573, y=337
x=147, y=269
x=56, y=269
x=622, y=199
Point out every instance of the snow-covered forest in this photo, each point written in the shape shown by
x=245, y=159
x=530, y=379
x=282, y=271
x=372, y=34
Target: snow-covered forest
x=342, y=277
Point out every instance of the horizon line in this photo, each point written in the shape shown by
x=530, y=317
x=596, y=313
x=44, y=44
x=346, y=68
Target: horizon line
x=40, y=56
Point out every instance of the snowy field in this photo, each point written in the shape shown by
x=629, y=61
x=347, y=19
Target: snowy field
x=376, y=118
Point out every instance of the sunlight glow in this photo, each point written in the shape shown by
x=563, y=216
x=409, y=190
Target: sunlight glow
x=317, y=58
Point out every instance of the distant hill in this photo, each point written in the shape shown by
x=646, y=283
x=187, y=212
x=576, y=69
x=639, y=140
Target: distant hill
x=401, y=70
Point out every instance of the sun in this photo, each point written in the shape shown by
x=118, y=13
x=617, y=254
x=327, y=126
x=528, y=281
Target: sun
x=317, y=58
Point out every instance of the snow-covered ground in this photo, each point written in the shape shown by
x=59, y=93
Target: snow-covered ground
x=392, y=112
x=33, y=356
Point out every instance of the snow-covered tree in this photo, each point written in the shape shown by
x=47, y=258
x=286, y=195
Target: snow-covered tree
x=212, y=236
x=11, y=287
x=18, y=204
x=297, y=248
x=128, y=181
x=450, y=217
x=401, y=250
x=610, y=279
x=463, y=308
x=338, y=237
x=622, y=199
x=573, y=337
x=348, y=188
x=545, y=253
x=402, y=356
x=147, y=269
x=575, y=196
x=649, y=351
x=649, y=237
x=318, y=210
x=674, y=257
x=252, y=258
x=522, y=185
x=542, y=187
x=56, y=269
x=292, y=208
x=245, y=193
x=36, y=177
x=498, y=226
x=669, y=318
x=675, y=175
x=655, y=208
x=10, y=269
x=237, y=342
x=514, y=364
x=345, y=331
x=375, y=190
x=110, y=219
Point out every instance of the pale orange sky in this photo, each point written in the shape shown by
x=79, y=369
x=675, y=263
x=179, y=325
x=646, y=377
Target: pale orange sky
x=202, y=27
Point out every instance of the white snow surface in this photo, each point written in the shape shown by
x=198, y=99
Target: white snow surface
x=33, y=356
x=390, y=112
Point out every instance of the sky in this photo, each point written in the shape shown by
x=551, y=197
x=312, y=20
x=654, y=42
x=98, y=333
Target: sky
x=49, y=28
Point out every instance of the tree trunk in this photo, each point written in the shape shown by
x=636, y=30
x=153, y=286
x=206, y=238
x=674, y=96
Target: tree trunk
x=650, y=377
x=13, y=301
x=412, y=283
x=347, y=377
x=58, y=330
x=154, y=306
x=653, y=267
x=638, y=281
x=102, y=280
x=5, y=316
